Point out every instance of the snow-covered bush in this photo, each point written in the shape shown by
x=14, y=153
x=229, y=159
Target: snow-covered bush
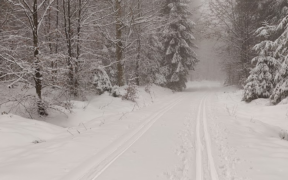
x=101, y=81
x=115, y=92
x=131, y=92
x=25, y=104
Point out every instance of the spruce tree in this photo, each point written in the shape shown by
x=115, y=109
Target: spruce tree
x=260, y=83
x=177, y=39
x=269, y=77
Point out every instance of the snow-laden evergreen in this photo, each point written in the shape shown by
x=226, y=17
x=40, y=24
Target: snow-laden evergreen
x=269, y=77
x=278, y=48
x=281, y=90
x=260, y=83
x=177, y=41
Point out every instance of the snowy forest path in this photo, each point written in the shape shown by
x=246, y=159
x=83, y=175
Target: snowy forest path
x=171, y=143
x=102, y=160
x=203, y=141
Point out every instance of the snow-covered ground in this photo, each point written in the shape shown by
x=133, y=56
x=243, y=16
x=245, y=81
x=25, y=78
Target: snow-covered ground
x=205, y=132
x=250, y=138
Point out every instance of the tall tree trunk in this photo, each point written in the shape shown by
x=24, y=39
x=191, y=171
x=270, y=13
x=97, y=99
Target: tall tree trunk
x=119, y=45
x=78, y=43
x=38, y=74
x=57, y=26
x=79, y=29
x=139, y=47
x=54, y=64
x=50, y=45
x=68, y=34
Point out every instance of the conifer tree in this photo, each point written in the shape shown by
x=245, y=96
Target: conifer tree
x=281, y=53
x=269, y=77
x=260, y=83
x=178, y=42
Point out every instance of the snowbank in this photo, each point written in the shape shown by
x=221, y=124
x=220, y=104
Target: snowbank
x=99, y=107
x=258, y=110
x=17, y=131
x=249, y=138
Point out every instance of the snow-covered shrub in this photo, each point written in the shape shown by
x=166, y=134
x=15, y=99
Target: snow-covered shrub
x=42, y=107
x=115, y=92
x=3, y=113
x=26, y=105
x=160, y=79
x=101, y=81
x=131, y=92
x=148, y=88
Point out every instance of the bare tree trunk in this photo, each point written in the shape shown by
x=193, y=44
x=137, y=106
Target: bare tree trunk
x=57, y=26
x=79, y=28
x=139, y=47
x=78, y=43
x=54, y=64
x=68, y=34
x=49, y=39
x=38, y=74
x=119, y=45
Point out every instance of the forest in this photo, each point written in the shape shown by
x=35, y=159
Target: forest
x=254, y=34
x=73, y=48
x=143, y=89
x=81, y=46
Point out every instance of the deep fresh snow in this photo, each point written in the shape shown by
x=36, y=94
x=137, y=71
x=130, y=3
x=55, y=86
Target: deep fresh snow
x=205, y=132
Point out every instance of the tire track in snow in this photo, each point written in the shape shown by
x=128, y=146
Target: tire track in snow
x=92, y=169
x=199, y=145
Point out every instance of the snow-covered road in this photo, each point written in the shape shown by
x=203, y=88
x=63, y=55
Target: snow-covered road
x=203, y=133
x=213, y=174
x=185, y=139
x=172, y=143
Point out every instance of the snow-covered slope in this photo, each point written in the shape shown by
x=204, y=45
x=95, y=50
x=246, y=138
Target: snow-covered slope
x=17, y=131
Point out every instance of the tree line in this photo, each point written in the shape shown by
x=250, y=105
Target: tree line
x=255, y=45
x=80, y=46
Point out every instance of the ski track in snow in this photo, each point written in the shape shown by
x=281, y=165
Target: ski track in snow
x=202, y=121
x=205, y=165
x=213, y=171
x=98, y=164
x=199, y=170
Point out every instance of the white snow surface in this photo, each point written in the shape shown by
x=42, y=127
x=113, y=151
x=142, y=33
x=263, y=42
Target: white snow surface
x=205, y=132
